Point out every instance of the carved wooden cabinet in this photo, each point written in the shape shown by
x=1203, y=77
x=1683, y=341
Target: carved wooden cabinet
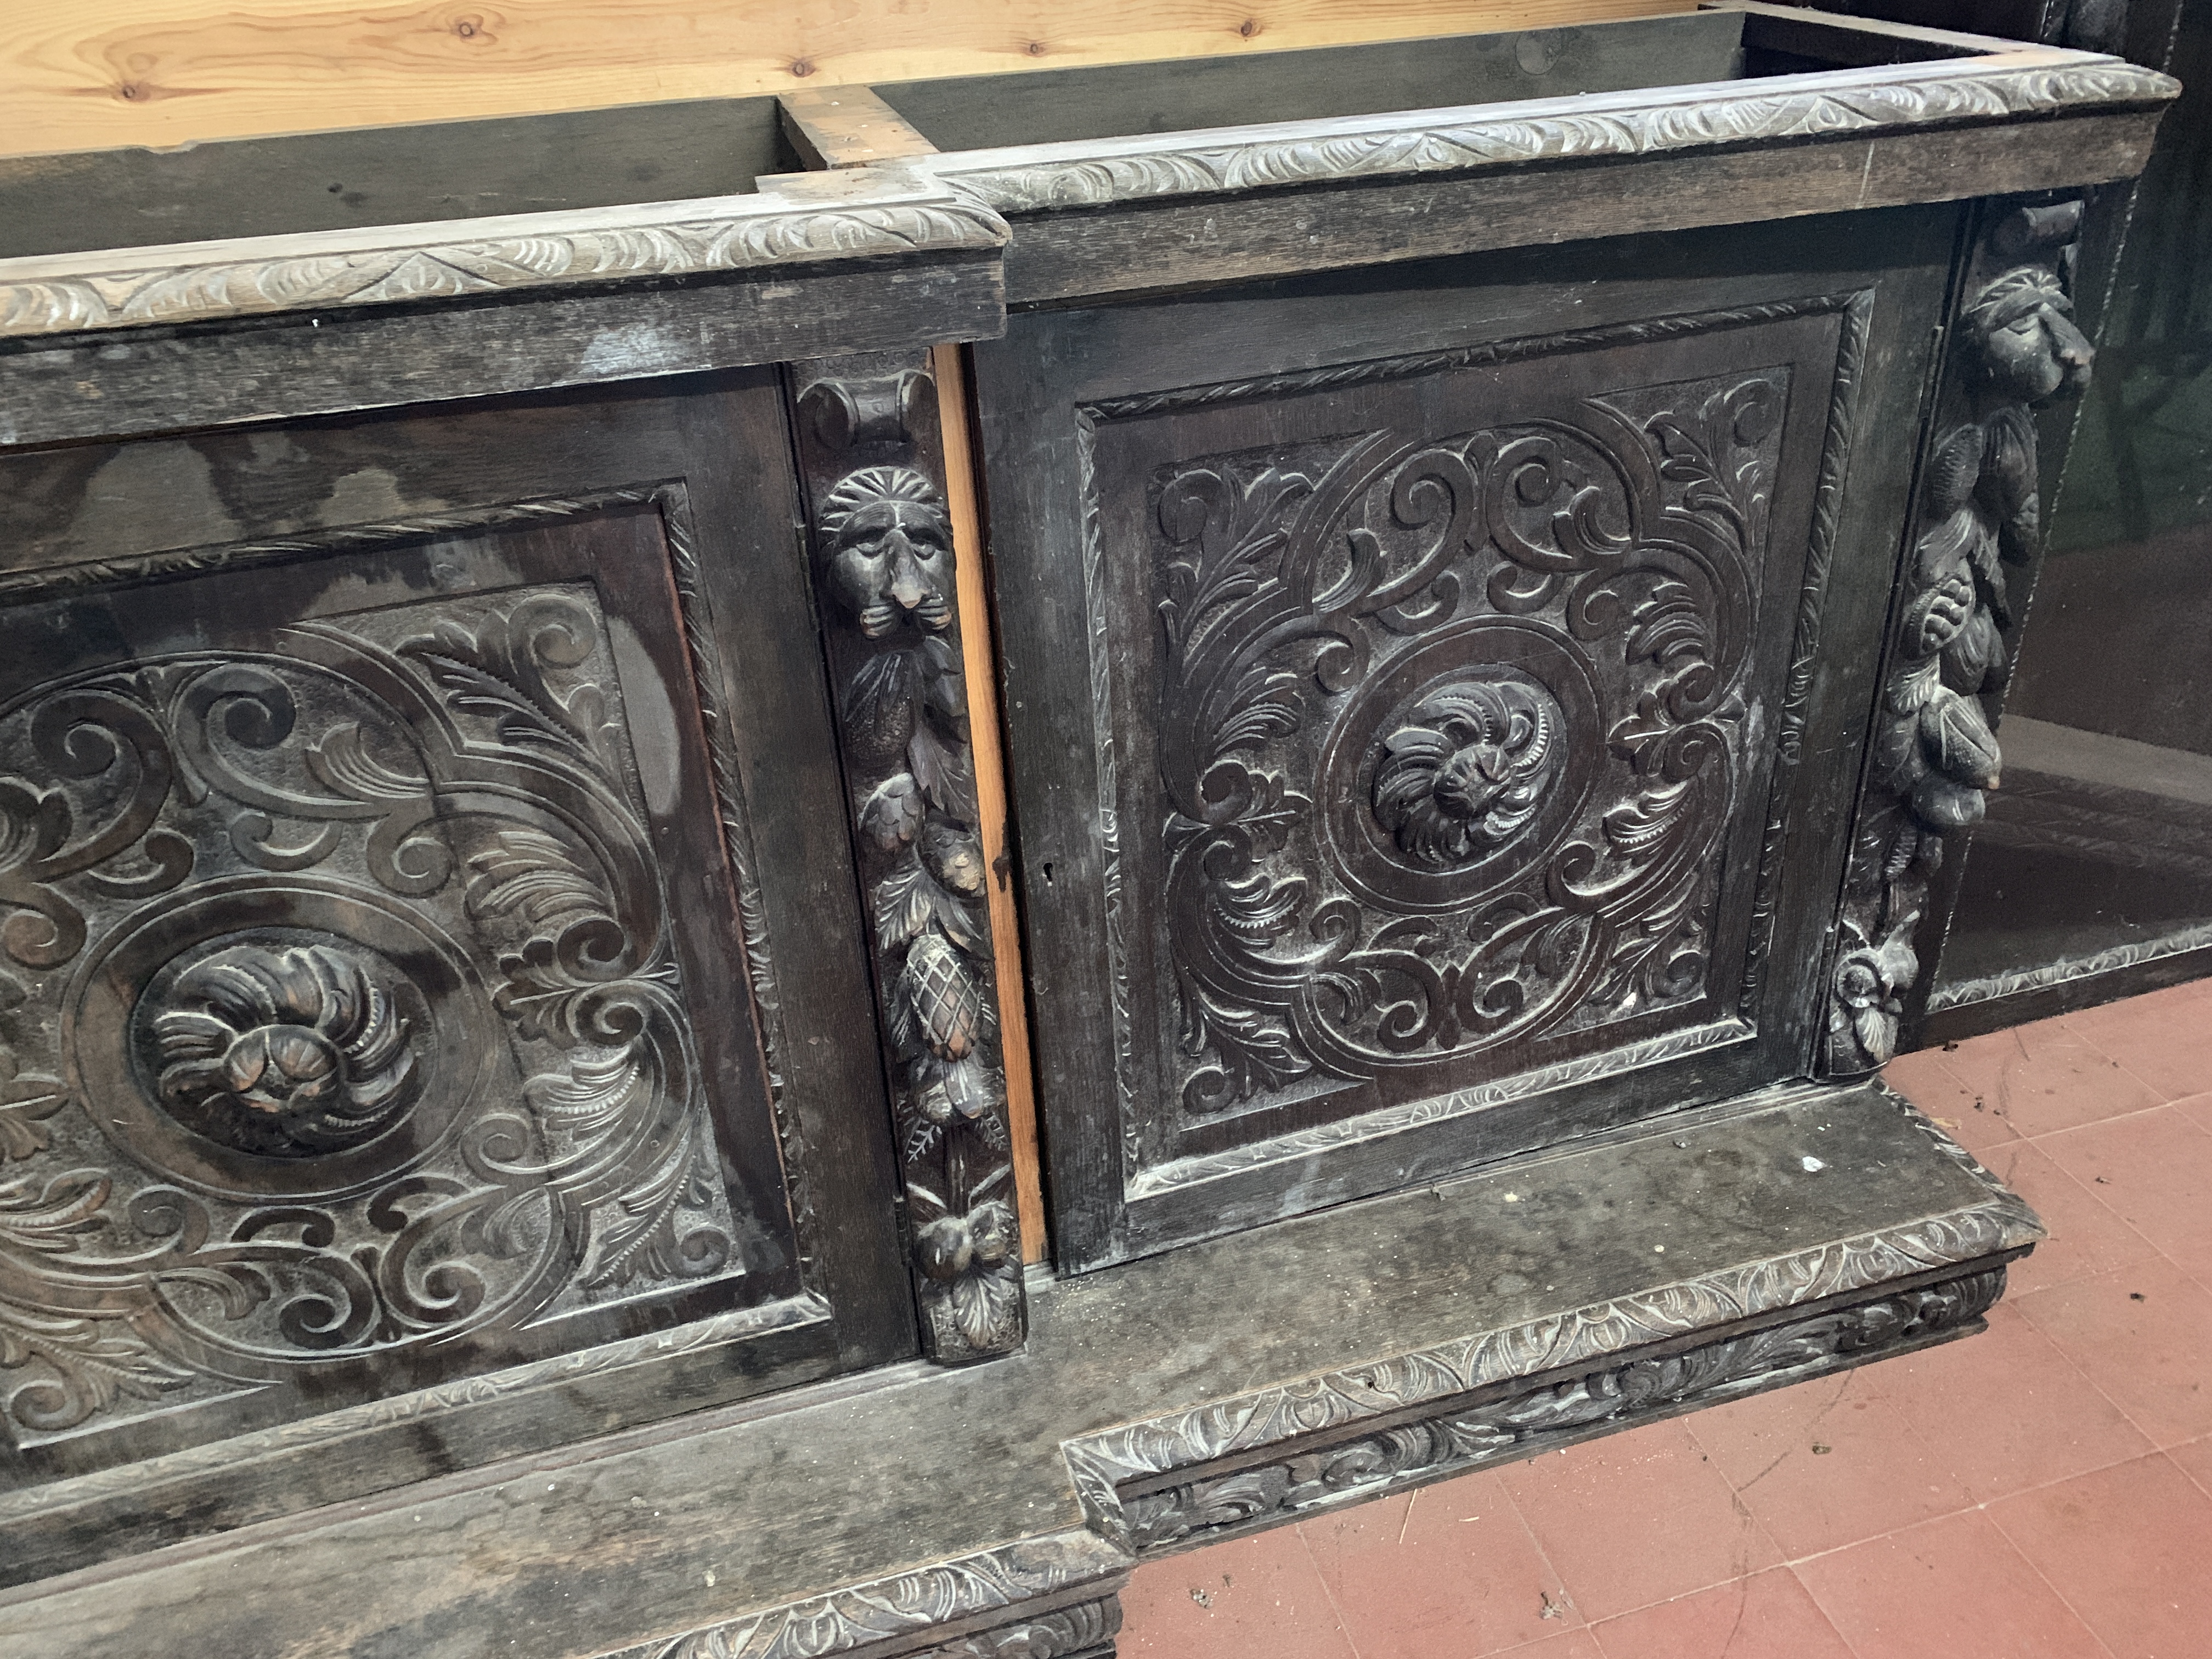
x=1440, y=685
x=436, y=1022
x=1489, y=553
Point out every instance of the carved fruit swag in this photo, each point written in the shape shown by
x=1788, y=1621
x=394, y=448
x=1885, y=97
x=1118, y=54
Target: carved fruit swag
x=889, y=561
x=1935, y=751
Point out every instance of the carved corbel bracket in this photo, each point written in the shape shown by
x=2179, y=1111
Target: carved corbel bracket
x=882, y=561
x=2013, y=348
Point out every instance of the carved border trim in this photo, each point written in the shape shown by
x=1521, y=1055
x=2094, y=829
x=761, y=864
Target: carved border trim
x=1140, y=1182
x=1467, y=1433
x=1988, y=989
x=911, y=1603
x=199, y=282
x=1331, y=377
x=1805, y=645
x=1103, y=1463
x=739, y=843
x=1086, y=1630
x=23, y=586
x=1298, y=1143
x=1823, y=104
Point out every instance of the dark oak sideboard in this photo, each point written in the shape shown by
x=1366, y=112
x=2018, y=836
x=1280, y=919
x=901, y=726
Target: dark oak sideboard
x=1494, y=552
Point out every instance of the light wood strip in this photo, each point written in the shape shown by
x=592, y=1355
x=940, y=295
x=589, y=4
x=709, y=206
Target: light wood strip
x=976, y=645
x=835, y=127
x=100, y=74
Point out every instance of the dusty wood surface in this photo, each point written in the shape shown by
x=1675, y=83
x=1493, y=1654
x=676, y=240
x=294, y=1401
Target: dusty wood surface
x=77, y=76
x=1339, y=1321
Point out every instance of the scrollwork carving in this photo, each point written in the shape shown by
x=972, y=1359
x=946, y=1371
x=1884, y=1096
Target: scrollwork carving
x=886, y=560
x=360, y=1025
x=1936, y=752
x=1450, y=729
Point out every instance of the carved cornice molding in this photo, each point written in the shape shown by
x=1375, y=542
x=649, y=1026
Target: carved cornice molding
x=392, y=264
x=1829, y=104
x=918, y=1603
x=1340, y=1404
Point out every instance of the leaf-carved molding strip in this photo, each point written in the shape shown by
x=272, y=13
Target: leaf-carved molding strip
x=914, y=1604
x=1997, y=1225
x=1820, y=104
x=392, y=265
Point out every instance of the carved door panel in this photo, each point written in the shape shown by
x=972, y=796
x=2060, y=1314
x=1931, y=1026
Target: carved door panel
x=411, y=943
x=1448, y=703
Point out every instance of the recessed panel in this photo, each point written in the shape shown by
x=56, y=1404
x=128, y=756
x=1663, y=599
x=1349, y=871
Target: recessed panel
x=367, y=978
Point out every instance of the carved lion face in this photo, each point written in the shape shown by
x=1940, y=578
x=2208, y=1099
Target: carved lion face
x=2030, y=347
x=891, y=550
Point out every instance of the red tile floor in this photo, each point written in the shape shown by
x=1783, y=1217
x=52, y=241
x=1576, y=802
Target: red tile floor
x=2043, y=1491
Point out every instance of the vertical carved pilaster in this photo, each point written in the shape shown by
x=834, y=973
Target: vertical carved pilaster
x=883, y=562
x=2013, y=348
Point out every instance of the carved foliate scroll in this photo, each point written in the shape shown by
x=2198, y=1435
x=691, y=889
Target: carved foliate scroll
x=346, y=1025
x=883, y=559
x=2015, y=347
x=1452, y=729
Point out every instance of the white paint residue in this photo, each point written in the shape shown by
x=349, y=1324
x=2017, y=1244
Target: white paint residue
x=651, y=717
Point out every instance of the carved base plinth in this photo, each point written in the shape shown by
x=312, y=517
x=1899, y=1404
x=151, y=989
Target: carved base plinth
x=1516, y=1421
x=1215, y=1390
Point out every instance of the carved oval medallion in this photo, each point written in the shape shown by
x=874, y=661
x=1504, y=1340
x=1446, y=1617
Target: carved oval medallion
x=1468, y=768
x=286, y=1061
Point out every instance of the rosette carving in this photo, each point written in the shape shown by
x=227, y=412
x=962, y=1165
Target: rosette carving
x=886, y=561
x=284, y=1052
x=1469, y=769
x=1935, y=750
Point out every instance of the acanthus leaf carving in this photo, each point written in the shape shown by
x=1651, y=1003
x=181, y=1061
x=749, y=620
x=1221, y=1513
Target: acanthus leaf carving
x=239, y=1080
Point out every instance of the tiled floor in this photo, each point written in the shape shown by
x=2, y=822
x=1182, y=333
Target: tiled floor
x=2041, y=1492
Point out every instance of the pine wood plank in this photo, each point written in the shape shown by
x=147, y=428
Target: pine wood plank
x=97, y=74
x=977, y=641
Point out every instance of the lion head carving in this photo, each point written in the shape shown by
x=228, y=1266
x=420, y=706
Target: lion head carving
x=891, y=549
x=2030, y=347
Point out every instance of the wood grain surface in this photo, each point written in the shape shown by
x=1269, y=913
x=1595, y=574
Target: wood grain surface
x=100, y=74
x=978, y=643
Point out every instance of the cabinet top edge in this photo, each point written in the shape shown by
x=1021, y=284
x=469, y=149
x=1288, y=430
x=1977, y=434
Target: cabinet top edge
x=804, y=220
x=1990, y=87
